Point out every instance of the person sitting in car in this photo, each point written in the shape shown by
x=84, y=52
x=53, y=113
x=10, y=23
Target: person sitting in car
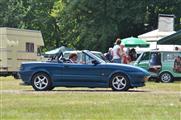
x=73, y=58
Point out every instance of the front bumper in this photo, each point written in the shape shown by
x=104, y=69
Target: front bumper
x=138, y=79
x=26, y=76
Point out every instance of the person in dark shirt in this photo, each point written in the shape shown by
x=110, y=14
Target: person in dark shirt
x=155, y=63
x=108, y=55
x=133, y=54
x=155, y=59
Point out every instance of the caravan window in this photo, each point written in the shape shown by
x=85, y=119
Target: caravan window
x=29, y=47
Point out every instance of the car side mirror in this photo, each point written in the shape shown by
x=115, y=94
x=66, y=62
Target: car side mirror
x=95, y=62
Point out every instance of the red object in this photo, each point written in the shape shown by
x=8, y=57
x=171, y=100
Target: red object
x=126, y=59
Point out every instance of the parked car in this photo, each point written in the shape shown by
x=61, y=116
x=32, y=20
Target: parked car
x=95, y=72
x=160, y=64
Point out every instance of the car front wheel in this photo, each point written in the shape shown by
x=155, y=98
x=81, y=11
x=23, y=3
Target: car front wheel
x=120, y=82
x=41, y=82
x=166, y=77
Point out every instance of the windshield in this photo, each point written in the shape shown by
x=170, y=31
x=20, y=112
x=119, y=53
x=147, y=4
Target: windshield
x=94, y=56
x=101, y=56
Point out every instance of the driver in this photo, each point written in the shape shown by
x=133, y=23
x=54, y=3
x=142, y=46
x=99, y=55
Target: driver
x=73, y=58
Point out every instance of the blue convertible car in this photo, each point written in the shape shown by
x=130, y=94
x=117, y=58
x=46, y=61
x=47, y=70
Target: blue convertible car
x=92, y=72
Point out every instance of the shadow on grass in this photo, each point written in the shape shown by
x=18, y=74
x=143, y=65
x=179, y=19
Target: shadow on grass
x=90, y=91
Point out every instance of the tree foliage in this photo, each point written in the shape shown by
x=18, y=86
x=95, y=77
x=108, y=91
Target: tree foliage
x=86, y=24
x=29, y=14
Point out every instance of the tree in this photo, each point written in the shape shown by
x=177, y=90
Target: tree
x=31, y=14
x=92, y=24
x=86, y=24
x=156, y=7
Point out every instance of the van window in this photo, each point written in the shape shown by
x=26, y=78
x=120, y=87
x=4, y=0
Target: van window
x=170, y=56
x=155, y=58
x=146, y=56
x=29, y=47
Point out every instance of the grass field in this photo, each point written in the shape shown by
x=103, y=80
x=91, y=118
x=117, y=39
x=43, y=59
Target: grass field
x=155, y=101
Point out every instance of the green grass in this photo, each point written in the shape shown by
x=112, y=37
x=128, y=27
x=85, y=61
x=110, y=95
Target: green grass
x=175, y=86
x=155, y=101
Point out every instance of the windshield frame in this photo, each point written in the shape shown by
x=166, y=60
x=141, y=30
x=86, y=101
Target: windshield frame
x=89, y=53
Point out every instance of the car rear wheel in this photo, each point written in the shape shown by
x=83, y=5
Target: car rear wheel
x=166, y=77
x=120, y=82
x=41, y=82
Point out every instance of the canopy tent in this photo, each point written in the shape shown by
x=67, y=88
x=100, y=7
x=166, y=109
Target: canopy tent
x=56, y=51
x=134, y=42
x=155, y=35
x=174, y=39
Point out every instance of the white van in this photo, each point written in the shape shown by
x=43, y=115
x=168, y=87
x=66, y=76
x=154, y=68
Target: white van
x=16, y=46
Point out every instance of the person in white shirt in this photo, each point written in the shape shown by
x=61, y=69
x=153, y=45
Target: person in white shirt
x=117, y=52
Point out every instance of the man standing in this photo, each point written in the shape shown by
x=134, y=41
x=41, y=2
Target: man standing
x=116, y=51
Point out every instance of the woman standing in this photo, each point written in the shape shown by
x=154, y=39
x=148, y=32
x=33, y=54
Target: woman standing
x=117, y=52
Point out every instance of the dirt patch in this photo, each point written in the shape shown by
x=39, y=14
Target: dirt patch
x=134, y=91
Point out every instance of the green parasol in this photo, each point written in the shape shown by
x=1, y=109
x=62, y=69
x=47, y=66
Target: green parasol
x=134, y=42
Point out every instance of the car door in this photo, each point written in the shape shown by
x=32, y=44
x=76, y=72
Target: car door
x=81, y=73
x=144, y=61
x=55, y=70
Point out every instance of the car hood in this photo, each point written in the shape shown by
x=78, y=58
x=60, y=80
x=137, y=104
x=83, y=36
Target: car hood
x=128, y=67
